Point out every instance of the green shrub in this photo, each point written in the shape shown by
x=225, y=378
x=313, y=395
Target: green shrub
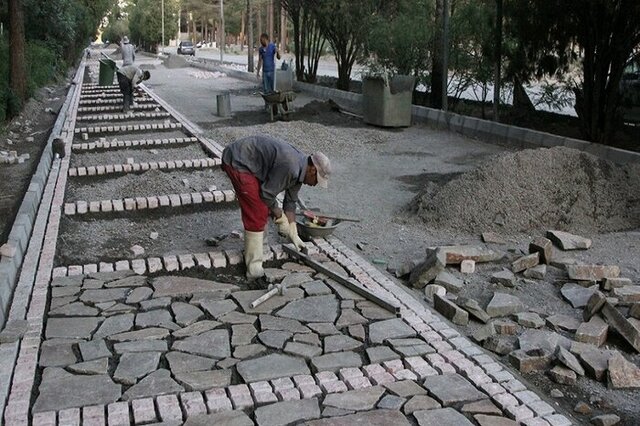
x=43, y=66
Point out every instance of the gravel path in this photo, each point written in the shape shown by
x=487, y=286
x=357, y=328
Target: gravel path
x=150, y=183
x=143, y=154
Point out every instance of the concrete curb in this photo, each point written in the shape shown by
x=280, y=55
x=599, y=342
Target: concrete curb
x=484, y=130
x=25, y=218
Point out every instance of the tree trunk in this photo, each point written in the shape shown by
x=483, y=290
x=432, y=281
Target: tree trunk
x=250, y=67
x=18, y=73
x=521, y=101
x=283, y=31
x=259, y=18
x=242, y=24
x=437, y=76
x=270, y=19
x=498, y=62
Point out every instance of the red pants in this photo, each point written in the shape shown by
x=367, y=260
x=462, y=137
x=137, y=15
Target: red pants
x=255, y=212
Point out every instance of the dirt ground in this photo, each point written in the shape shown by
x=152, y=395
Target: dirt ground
x=34, y=122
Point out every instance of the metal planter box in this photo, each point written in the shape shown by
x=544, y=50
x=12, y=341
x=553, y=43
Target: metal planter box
x=387, y=105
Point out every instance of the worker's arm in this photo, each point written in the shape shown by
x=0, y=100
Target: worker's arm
x=277, y=52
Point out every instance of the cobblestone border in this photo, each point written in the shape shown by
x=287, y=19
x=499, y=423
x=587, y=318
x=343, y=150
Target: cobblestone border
x=117, y=101
x=109, y=169
x=144, y=203
x=126, y=128
x=16, y=410
x=122, y=116
x=107, y=145
x=86, y=109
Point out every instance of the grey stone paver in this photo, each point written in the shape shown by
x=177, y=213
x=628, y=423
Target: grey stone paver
x=185, y=286
x=186, y=314
x=217, y=308
x=339, y=343
x=287, y=412
x=71, y=391
x=94, y=349
x=180, y=362
x=196, y=328
x=157, y=383
x=57, y=353
x=356, y=400
x=204, y=380
x=451, y=389
x=244, y=299
x=441, y=417
x=274, y=338
x=104, y=295
x=271, y=367
x=133, y=366
x=114, y=325
x=405, y=388
x=311, y=309
x=335, y=361
x=97, y=366
x=75, y=327
x=389, y=329
x=226, y=418
x=214, y=344
x=369, y=418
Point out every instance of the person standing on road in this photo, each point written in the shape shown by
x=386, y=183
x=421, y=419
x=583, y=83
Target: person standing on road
x=128, y=52
x=260, y=167
x=267, y=63
x=128, y=79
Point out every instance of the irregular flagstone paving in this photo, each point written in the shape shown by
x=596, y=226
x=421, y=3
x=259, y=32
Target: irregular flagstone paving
x=297, y=358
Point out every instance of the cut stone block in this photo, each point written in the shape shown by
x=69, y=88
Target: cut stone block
x=542, y=246
x=625, y=327
x=570, y=361
x=449, y=281
x=592, y=272
x=450, y=310
x=479, y=254
x=577, y=295
x=428, y=270
x=593, y=332
x=530, y=360
x=468, y=266
x=473, y=307
x=503, y=304
x=611, y=283
x=567, y=241
x=627, y=295
x=563, y=375
x=622, y=374
x=525, y=262
x=504, y=277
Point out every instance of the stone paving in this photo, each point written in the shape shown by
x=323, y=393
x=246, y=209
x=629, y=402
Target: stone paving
x=128, y=343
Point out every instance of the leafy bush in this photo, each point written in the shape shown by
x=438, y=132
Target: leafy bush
x=43, y=65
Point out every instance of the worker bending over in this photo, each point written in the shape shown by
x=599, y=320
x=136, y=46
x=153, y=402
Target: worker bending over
x=128, y=79
x=260, y=167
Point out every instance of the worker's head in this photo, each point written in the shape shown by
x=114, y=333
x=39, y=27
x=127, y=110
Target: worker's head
x=264, y=39
x=146, y=75
x=318, y=170
x=125, y=40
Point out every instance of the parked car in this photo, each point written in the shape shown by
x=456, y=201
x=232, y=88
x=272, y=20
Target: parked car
x=186, y=48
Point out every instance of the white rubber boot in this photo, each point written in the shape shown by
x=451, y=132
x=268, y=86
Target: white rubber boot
x=253, y=254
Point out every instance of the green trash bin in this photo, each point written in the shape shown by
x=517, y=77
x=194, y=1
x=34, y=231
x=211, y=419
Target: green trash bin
x=107, y=70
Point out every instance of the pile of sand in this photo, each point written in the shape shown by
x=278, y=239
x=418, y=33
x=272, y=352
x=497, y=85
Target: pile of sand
x=535, y=190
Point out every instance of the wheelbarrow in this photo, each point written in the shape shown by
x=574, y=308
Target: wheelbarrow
x=279, y=104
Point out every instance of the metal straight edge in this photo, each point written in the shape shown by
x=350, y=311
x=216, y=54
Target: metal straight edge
x=345, y=281
x=187, y=124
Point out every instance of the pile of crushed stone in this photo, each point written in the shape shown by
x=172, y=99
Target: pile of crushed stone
x=536, y=189
x=175, y=61
x=308, y=137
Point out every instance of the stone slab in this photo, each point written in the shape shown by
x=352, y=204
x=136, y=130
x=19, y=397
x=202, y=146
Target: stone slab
x=270, y=367
x=451, y=389
x=355, y=400
x=441, y=417
x=213, y=344
x=336, y=361
x=287, y=412
x=76, y=391
x=389, y=329
x=311, y=309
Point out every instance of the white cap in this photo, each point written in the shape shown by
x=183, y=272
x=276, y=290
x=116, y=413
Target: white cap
x=323, y=168
x=125, y=39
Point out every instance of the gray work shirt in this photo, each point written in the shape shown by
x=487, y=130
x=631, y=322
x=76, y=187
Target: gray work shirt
x=133, y=73
x=128, y=54
x=277, y=165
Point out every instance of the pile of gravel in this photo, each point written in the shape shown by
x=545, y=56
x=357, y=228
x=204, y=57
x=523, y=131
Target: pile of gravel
x=534, y=190
x=175, y=61
x=308, y=137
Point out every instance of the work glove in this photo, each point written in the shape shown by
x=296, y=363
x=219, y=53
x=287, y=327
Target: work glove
x=283, y=225
x=295, y=239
